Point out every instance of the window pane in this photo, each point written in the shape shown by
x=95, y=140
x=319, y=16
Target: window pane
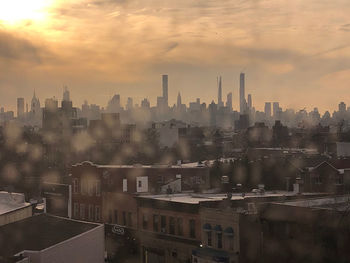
x=192, y=228
x=171, y=225
x=155, y=223
x=163, y=224
x=145, y=221
x=179, y=227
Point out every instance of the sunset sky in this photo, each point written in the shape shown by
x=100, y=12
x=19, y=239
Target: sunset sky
x=295, y=52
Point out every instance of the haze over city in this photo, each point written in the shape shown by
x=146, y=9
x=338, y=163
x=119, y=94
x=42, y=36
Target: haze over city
x=295, y=52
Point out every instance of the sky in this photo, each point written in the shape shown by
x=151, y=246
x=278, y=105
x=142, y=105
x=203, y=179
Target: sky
x=295, y=52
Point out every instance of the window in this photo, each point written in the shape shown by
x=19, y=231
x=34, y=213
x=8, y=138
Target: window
x=192, y=228
x=76, y=210
x=124, y=218
x=115, y=216
x=97, y=213
x=229, y=234
x=90, y=187
x=144, y=221
x=209, y=240
x=142, y=184
x=98, y=188
x=110, y=216
x=339, y=179
x=82, y=211
x=180, y=231
x=171, y=225
x=318, y=180
x=129, y=219
x=75, y=186
x=163, y=224
x=155, y=223
x=230, y=242
x=91, y=213
x=83, y=187
x=219, y=240
x=125, y=185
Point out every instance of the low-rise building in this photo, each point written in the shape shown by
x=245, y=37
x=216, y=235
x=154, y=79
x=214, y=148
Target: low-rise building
x=198, y=227
x=44, y=239
x=105, y=193
x=168, y=230
x=309, y=230
x=13, y=208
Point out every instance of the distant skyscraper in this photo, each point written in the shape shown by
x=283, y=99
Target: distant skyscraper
x=342, y=107
x=212, y=112
x=250, y=103
x=268, y=109
x=51, y=104
x=66, y=94
x=165, y=89
x=160, y=103
x=179, y=100
x=114, y=104
x=129, y=104
x=242, y=101
x=276, y=107
x=145, y=103
x=220, y=102
x=229, y=101
x=35, y=105
x=20, y=107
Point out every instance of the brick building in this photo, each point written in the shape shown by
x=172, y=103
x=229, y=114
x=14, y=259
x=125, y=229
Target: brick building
x=314, y=230
x=220, y=235
x=105, y=193
x=168, y=230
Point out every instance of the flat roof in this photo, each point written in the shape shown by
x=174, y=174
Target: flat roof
x=154, y=166
x=39, y=232
x=196, y=198
x=10, y=202
x=339, y=203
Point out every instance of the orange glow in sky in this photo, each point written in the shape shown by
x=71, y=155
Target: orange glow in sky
x=14, y=11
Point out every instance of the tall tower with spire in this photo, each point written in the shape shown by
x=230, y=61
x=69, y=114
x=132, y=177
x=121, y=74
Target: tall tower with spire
x=179, y=103
x=66, y=94
x=35, y=105
x=242, y=101
x=36, y=114
x=165, y=89
x=220, y=103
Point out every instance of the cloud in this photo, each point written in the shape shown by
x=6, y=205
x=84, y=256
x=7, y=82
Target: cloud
x=123, y=46
x=13, y=47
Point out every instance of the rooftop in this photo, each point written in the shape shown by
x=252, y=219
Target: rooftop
x=158, y=166
x=195, y=198
x=339, y=203
x=39, y=232
x=11, y=201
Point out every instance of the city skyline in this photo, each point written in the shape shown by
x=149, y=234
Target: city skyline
x=239, y=103
x=296, y=53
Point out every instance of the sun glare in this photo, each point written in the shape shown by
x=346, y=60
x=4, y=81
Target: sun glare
x=14, y=11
